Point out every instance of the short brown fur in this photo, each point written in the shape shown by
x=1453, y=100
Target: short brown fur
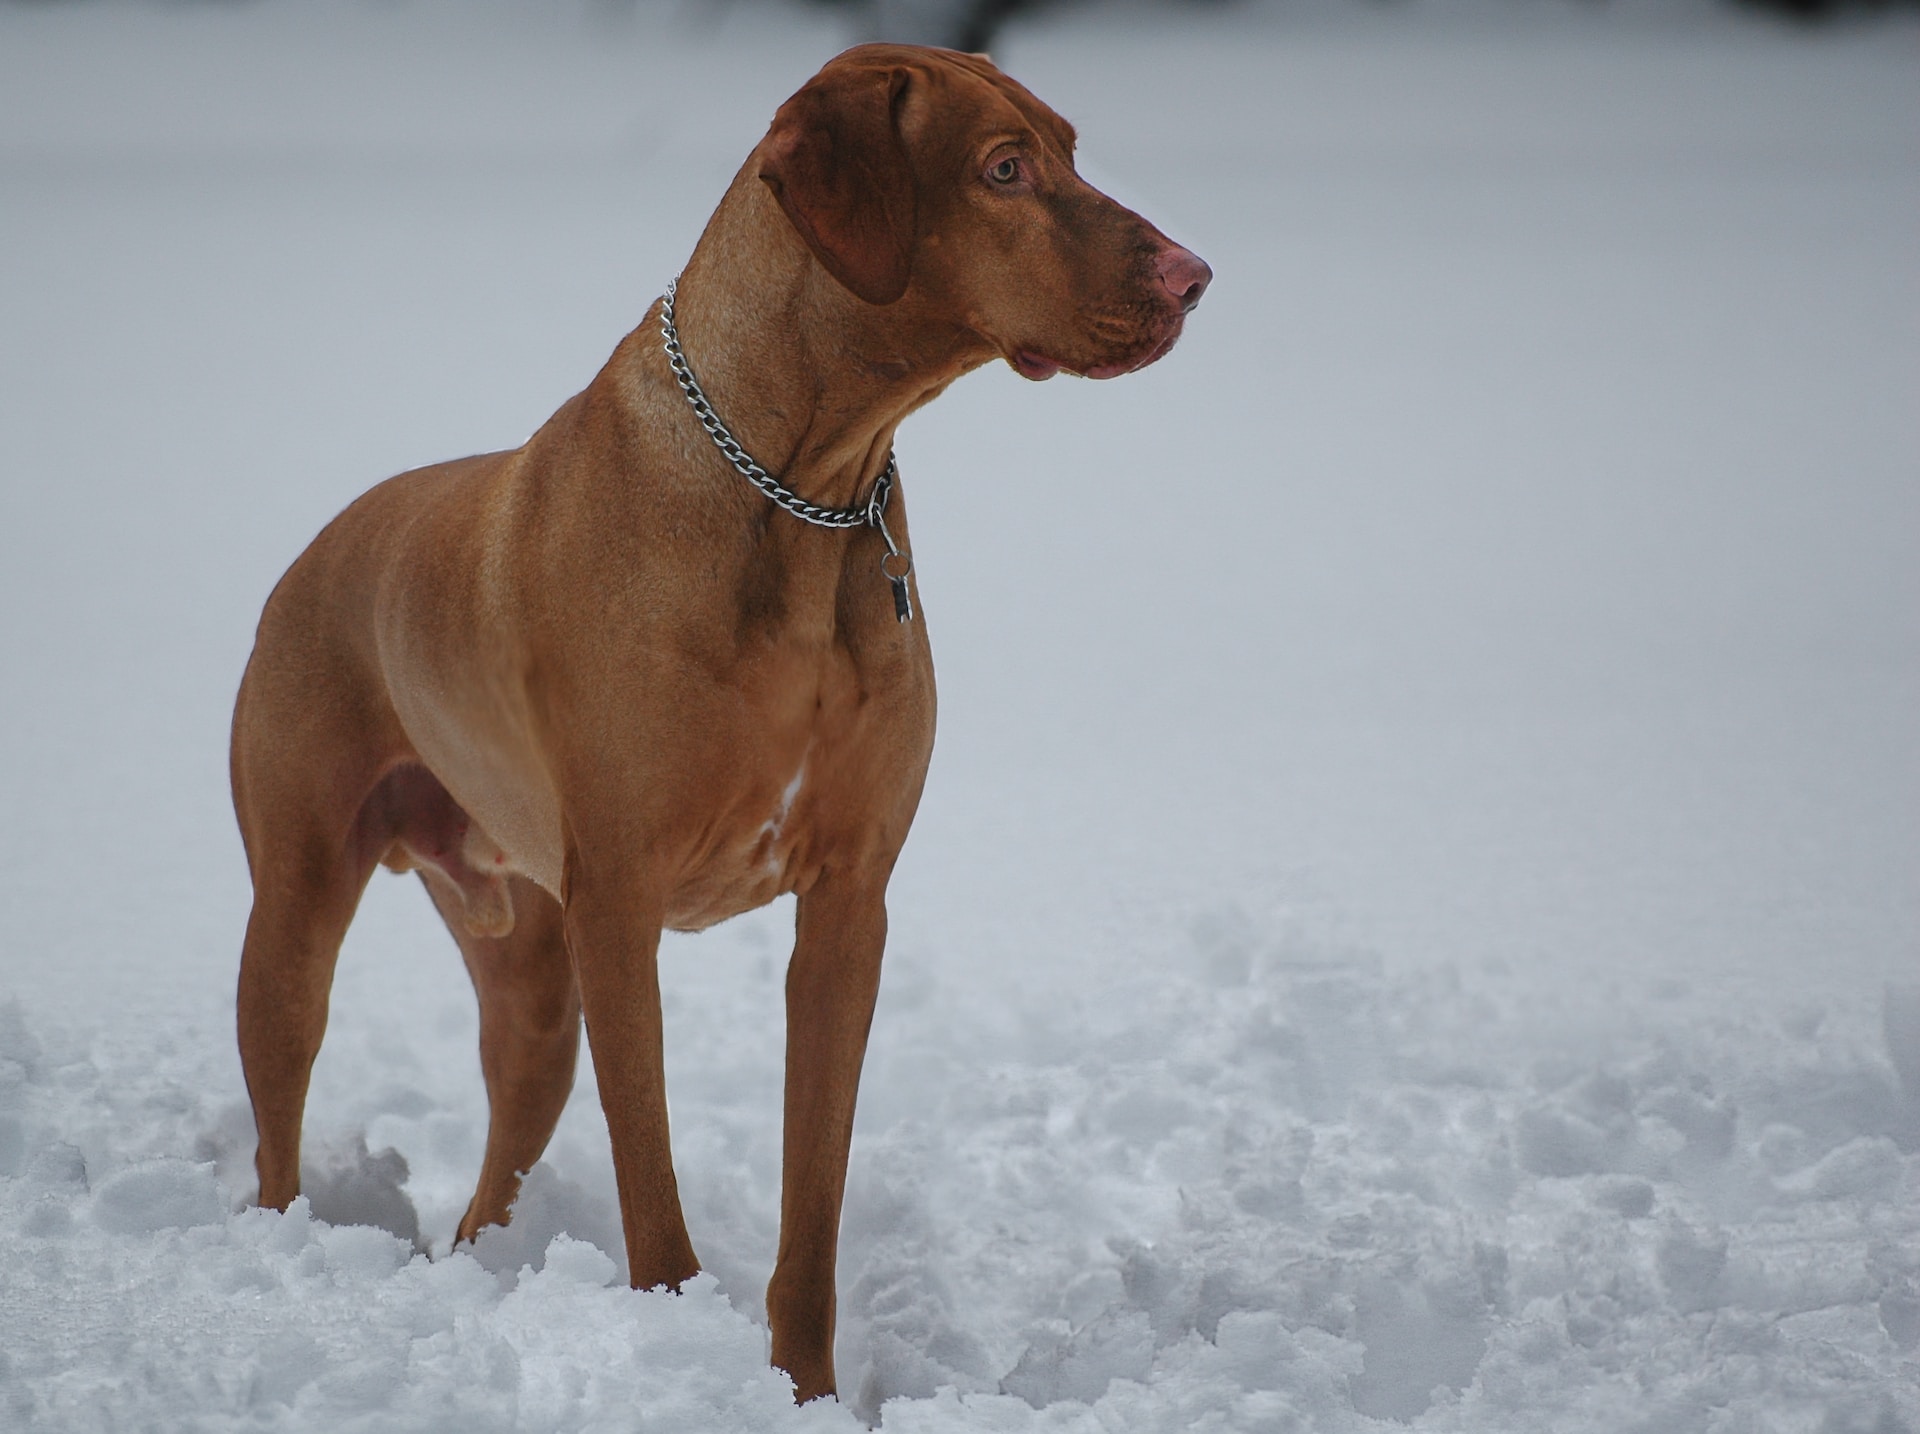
x=597, y=686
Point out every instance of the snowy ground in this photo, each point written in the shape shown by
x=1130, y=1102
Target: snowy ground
x=1414, y=918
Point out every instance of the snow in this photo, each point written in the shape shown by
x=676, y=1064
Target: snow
x=1414, y=915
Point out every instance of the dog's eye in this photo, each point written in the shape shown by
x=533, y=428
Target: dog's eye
x=1005, y=172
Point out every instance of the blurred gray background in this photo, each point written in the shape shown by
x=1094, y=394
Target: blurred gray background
x=1515, y=561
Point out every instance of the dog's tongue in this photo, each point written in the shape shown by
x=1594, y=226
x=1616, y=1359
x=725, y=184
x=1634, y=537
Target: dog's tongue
x=1031, y=365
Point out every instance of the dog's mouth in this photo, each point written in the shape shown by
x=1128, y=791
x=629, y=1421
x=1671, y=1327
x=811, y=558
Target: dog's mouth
x=1032, y=364
x=1037, y=367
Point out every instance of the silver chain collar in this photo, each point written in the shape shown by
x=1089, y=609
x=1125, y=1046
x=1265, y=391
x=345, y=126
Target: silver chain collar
x=871, y=514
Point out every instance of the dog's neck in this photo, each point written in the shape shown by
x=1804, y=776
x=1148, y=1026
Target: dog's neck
x=821, y=418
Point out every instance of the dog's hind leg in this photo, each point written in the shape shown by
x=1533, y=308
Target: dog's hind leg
x=307, y=883
x=529, y=1034
x=312, y=736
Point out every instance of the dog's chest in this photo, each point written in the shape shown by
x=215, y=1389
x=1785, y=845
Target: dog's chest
x=823, y=788
x=764, y=843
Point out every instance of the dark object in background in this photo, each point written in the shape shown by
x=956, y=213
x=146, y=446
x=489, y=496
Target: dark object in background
x=1814, y=11
x=956, y=24
x=971, y=24
x=965, y=24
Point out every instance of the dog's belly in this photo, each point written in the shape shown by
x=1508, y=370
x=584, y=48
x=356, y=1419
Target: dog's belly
x=513, y=817
x=473, y=739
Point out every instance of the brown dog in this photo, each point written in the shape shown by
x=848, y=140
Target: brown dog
x=600, y=686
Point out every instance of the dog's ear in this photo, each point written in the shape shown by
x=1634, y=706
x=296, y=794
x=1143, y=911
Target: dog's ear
x=835, y=160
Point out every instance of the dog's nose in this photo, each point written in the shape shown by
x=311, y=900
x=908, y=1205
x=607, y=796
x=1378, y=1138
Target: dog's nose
x=1185, y=274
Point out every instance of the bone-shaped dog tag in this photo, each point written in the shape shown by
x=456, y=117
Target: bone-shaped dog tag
x=902, y=599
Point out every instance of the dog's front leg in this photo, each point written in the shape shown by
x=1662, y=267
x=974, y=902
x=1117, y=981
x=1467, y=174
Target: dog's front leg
x=831, y=985
x=613, y=939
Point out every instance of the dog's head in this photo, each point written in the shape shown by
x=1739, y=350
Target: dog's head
x=929, y=177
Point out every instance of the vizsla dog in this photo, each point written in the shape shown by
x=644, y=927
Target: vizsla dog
x=622, y=679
